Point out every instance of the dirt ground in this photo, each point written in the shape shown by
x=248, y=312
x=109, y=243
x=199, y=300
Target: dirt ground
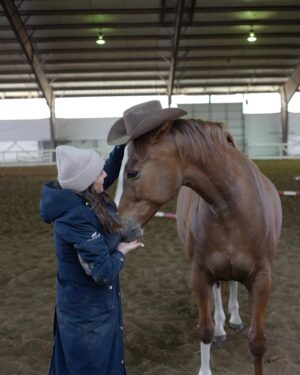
x=160, y=314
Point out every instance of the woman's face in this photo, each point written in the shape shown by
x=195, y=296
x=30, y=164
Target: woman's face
x=98, y=184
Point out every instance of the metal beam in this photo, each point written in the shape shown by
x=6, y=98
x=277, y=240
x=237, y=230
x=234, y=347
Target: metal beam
x=267, y=87
x=224, y=67
x=174, y=51
x=234, y=90
x=19, y=29
x=101, y=71
x=267, y=60
x=286, y=93
x=291, y=86
x=154, y=49
x=153, y=25
x=149, y=37
x=162, y=85
x=113, y=11
x=147, y=76
x=152, y=77
x=226, y=84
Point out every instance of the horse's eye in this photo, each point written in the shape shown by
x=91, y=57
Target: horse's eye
x=132, y=173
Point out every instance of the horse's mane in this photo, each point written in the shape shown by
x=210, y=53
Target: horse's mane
x=193, y=138
x=205, y=139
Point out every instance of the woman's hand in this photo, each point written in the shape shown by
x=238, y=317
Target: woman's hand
x=125, y=247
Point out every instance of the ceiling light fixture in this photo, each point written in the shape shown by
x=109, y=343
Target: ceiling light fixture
x=251, y=38
x=100, y=40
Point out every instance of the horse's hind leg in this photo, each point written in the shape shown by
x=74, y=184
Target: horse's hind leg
x=219, y=316
x=259, y=291
x=235, y=321
x=205, y=326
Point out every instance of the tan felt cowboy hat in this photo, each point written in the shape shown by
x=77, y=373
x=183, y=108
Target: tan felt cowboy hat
x=139, y=120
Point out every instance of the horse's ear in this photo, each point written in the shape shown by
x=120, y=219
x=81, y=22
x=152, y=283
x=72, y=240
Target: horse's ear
x=165, y=127
x=230, y=139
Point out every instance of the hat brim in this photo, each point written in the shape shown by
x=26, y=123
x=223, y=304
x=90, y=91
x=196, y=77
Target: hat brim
x=117, y=134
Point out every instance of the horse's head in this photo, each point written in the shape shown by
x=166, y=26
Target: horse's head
x=152, y=176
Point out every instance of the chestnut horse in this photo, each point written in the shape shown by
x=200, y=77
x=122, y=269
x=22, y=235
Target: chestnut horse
x=228, y=215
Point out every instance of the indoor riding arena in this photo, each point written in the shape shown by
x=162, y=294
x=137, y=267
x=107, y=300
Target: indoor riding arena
x=60, y=86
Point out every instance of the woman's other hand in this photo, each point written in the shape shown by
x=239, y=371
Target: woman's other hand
x=125, y=247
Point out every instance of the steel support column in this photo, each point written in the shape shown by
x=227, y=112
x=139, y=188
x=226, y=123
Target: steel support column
x=286, y=93
x=177, y=28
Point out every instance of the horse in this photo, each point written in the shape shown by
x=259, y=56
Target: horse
x=228, y=218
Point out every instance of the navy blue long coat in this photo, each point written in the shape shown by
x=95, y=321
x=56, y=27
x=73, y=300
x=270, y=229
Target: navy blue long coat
x=88, y=330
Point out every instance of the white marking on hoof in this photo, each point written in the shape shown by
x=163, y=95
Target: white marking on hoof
x=233, y=307
x=205, y=358
x=219, y=316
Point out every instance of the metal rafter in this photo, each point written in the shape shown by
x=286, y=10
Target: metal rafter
x=80, y=60
x=147, y=76
x=149, y=37
x=138, y=69
x=151, y=25
x=23, y=37
x=291, y=86
x=214, y=45
x=176, y=37
x=121, y=11
x=221, y=47
x=228, y=82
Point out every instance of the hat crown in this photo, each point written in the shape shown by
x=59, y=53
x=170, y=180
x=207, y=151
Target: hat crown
x=139, y=120
x=77, y=168
x=70, y=161
x=134, y=115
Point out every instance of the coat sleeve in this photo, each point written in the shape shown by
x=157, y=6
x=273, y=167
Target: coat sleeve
x=113, y=164
x=93, y=254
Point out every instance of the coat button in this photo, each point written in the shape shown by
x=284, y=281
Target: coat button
x=110, y=287
x=121, y=328
x=122, y=362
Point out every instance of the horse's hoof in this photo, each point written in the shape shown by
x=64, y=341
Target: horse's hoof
x=219, y=340
x=236, y=327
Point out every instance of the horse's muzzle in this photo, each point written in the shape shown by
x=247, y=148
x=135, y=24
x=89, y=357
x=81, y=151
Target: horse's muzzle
x=131, y=231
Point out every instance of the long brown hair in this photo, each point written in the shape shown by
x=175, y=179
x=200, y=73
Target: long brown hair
x=98, y=203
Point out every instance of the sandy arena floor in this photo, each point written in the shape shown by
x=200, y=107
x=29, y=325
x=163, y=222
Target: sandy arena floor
x=159, y=310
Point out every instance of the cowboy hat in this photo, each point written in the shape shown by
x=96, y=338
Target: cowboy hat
x=140, y=119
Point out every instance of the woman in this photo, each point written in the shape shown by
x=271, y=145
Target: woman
x=88, y=320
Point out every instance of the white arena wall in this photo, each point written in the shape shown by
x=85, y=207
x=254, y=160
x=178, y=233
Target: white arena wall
x=257, y=135
x=263, y=134
x=294, y=134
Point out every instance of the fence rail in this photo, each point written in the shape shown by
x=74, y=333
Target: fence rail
x=31, y=158
x=290, y=150
x=47, y=157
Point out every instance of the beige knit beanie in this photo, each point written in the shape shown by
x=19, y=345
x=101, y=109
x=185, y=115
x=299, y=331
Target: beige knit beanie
x=77, y=168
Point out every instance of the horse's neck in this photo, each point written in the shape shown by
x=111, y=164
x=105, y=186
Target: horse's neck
x=215, y=182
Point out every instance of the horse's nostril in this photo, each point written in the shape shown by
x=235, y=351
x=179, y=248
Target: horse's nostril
x=132, y=231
